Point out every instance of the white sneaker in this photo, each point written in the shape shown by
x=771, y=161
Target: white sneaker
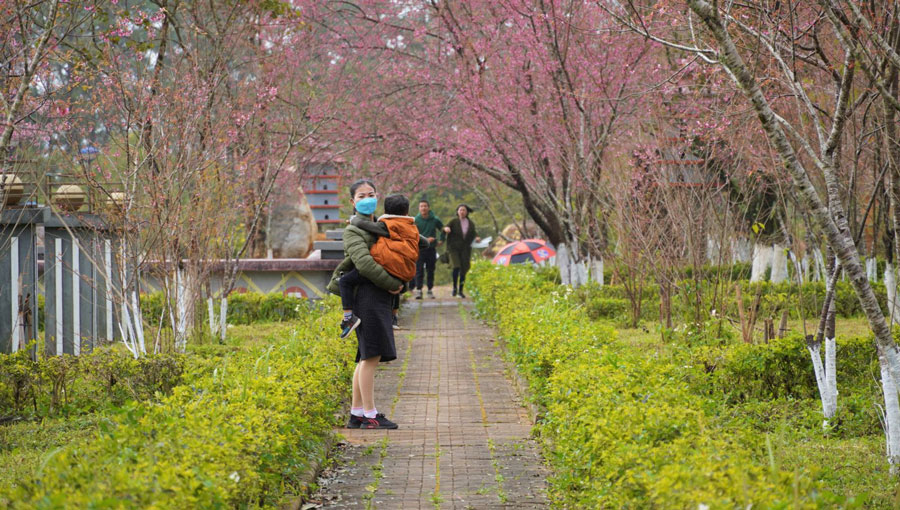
x=430, y=294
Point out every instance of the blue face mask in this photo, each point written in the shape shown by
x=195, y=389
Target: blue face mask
x=367, y=206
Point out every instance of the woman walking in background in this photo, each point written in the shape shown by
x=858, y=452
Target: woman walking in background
x=460, y=234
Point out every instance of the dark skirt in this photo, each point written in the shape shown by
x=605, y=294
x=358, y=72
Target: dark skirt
x=460, y=259
x=375, y=334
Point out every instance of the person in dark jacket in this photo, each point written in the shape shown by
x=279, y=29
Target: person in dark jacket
x=374, y=293
x=460, y=234
x=429, y=226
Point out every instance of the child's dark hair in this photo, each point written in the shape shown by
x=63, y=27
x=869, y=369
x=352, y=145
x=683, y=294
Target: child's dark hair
x=355, y=186
x=397, y=205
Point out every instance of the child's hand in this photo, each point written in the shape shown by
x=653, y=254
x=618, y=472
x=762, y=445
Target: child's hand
x=447, y=229
x=477, y=239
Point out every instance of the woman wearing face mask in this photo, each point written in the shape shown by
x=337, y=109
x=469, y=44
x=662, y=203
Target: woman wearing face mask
x=375, y=335
x=460, y=234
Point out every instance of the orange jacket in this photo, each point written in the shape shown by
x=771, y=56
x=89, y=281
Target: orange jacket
x=399, y=252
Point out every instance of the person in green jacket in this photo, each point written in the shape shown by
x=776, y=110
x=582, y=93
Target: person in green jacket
x=429, y=226
x=460, y=234
x=374, y=298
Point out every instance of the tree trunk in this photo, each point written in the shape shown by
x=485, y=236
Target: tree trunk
x=872, y=269
x=741, y=250
x=597, y=271
x=890, y=284
x=891, y=418
x=822, y=380
x=779, y=264
x=184, y=306
x=762, y=260
x=211, y=313
x=223, y=318
x=818, y=265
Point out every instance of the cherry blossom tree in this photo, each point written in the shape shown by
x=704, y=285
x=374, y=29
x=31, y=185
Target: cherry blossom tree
x=526, y=93
x=796, y=67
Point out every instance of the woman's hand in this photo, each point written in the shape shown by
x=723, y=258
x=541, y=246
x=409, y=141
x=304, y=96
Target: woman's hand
x=398, y=291
x=447, y=229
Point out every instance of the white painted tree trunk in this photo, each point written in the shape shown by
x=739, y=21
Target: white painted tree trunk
x=184, y=308
x=713, y=250
x=741, y=250
x=802, y=275
x=872, y=269
x=563, y=263
x=131, y=323
x=138, y=319
x=806, y=266
x=891, y=417
x=831, y=374
x=762, y=259
x=571, y=271
x=597, y=271
x=127, y=331
x=223, y=316
x=890, y=284
x=211, y=312
x=823, y=381
x=819, y=270
x=779, y=264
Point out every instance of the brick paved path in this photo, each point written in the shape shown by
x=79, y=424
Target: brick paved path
x=464, y=437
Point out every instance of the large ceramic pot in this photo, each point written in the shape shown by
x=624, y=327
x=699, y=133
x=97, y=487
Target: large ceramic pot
x=69, y=197
x=11, y=190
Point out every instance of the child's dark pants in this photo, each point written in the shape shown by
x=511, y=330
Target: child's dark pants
x=348, y=283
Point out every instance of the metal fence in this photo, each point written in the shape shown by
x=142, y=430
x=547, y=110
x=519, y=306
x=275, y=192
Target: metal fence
x=80, y=281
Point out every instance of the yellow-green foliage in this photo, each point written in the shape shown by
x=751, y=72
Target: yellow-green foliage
x=238, y=433
x=624, y=429
x=52, y=385
x=246, y=308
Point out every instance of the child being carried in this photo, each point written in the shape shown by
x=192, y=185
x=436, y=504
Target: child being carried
x=396, y=249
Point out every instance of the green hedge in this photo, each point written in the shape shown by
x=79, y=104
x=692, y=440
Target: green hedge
x=79, y=384
x=805, y=300
x=781, y=368
x=245, y=308
x=238, y=433
x=624, y=429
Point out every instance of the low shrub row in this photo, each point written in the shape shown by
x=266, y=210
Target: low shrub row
x=624, y=428
x=243, y=308
x=66, y=384
x=782, y=368
x=238, y=432
x=613, y=302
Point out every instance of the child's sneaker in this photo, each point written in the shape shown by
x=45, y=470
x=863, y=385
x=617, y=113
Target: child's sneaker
x=378, y=422
x=349, y=324
x=419, y=294
x=355, y=421
x=430, y=294
x=395, y=323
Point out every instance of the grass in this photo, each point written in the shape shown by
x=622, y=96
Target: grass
x=25, y=446
x=377, y=473
x=853, y=469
